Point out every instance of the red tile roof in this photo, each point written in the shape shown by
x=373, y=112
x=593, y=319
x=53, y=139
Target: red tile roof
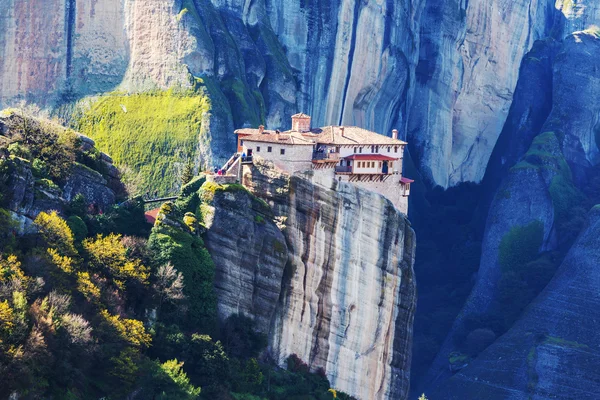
x=370, y=157
x=151, y=215
x=330, y=135
x=301, y=115
x=406, y=180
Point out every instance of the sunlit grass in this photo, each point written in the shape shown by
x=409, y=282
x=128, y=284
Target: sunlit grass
x=149, y=135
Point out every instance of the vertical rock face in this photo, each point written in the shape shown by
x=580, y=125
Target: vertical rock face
x=33, y=45
x=541, y=186
x=552, y=351
x=575, y=109
x=355, y=59
x=348, y=293
x=468, y=69
x=442, y=73
x=250, y=254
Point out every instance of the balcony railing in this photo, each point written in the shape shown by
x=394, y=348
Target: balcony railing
x=326, y=156
x=346, y=169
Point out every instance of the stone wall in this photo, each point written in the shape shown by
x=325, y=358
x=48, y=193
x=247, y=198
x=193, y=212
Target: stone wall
x=296, y=158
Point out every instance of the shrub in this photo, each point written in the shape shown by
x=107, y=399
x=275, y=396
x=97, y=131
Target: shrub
x=39, y=168
x=56, y=233
x=189, y=256
x=240, y=338
x=520, y=246
x=78, y=206
x=107, y=253
x=127, y=330
x=78, y=227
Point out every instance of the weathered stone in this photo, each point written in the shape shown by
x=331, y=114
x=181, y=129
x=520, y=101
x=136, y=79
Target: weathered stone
x=89, y=183
x=249, y=253
x=348, y=291
x=552, y=352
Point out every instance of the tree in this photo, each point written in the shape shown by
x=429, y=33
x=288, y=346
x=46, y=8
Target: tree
x=108, y=254
x=130, y=331
x=180, y=387
x=188, y=174
x=56, y=233
x=78, y=227
x=208, y=362
x=168, y=285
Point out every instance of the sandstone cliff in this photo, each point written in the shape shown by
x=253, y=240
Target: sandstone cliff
x=552, y=351
x=535, y=187
x=444, y=74
x=328, y=274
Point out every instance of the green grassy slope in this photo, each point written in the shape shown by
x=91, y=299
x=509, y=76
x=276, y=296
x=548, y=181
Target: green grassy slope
x=149, y=135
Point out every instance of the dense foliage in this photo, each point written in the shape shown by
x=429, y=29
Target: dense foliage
x=90, y=308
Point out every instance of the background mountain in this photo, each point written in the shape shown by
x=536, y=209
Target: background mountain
x=496, y=99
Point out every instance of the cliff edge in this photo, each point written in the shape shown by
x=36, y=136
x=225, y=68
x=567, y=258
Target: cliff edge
x=328, y=274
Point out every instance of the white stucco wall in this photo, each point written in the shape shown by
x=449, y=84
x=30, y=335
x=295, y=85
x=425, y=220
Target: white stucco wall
x=296, y=157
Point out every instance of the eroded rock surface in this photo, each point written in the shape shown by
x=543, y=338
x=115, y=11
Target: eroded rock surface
x=552, y=351
x=29, y=195
x=348, y=291
x=250, y=254
x=444, y=74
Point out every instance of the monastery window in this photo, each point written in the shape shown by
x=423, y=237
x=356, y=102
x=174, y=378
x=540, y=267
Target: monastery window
x=355, y=150
x=372, y=149
x=395, y=149
x=257, y=149
x=391, y=164
x=360, y=149
x=389, y=149
x=282, y=151
x=269, y=149
x=380, y=164
x=372, y=164
x=376, y=149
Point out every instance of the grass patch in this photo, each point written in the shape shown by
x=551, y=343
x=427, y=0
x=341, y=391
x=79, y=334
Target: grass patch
x=150, y=134
x=520, y=246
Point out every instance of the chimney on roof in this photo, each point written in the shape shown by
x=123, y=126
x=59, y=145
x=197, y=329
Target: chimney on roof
x=395, y=134
x=301, y=123
x=342, y=131
x=261, y=129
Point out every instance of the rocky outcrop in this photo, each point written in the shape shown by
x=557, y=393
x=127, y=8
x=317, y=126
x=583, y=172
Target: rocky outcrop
x=89, y=183
x=575, y=108
x=541, y=186
x=27, y=194
x=249, y=252
x=348, y=290
x=552, y=351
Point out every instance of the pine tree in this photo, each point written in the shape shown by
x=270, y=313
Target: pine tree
x=188, y=174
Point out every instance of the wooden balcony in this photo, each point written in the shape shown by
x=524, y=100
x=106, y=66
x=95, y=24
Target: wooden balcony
x=345, y=170
x=325, y=157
